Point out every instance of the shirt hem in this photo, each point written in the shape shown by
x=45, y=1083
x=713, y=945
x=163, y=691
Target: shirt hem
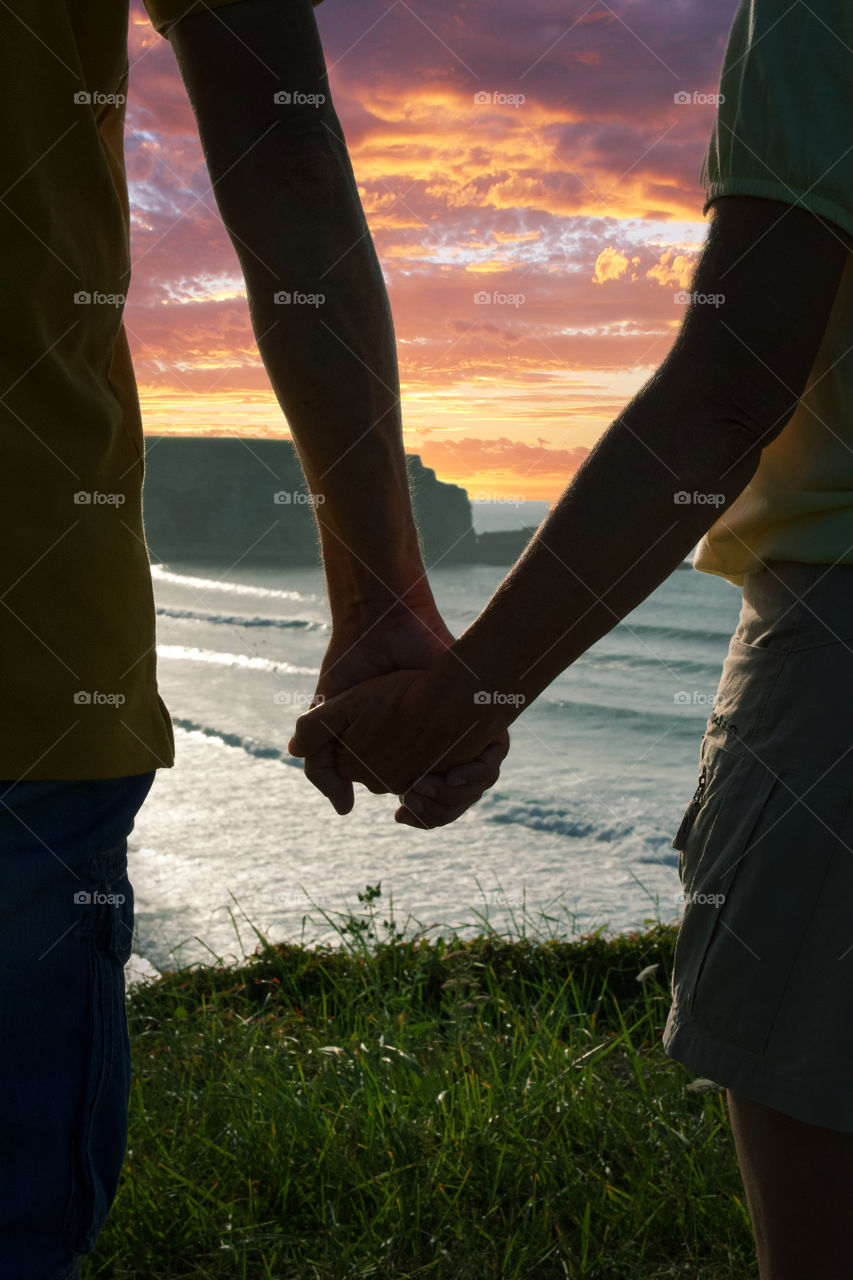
x=770, y=190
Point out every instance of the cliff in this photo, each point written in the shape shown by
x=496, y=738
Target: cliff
x=219, y=499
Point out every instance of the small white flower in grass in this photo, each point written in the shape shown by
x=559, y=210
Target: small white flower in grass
x=402, y=1053
x=647, y=972
x=330, y=1048
x=226, y=1244
x=701, y=1085
x=685, y=1142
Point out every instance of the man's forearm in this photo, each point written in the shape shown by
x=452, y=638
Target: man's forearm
x=333, y=368
x=319, y=307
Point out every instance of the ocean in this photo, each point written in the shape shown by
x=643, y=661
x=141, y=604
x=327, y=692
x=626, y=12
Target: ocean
x=576, y=834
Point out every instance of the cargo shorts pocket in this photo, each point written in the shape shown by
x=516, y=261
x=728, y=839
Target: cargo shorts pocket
x=754, y=859
x=100, y=1130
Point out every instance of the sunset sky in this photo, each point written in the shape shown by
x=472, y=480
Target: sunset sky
x=583, y=200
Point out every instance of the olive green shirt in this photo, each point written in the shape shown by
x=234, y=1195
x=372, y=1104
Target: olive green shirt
x=784, y=130
x=78, y=680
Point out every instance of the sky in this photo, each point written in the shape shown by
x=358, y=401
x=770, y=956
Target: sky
x=532, y=187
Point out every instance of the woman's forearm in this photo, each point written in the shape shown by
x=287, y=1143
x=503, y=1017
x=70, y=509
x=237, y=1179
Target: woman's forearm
x=763, y=292
x=618, y=531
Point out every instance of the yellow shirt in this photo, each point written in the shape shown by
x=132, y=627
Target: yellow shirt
x=78, y=686
x=783, y=130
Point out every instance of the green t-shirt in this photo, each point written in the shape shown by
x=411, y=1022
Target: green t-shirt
x=784, y=130
x=78, y=687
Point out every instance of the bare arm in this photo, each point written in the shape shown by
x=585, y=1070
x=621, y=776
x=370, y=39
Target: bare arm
x=727, y=388
x=285, y=188
x=284, y=185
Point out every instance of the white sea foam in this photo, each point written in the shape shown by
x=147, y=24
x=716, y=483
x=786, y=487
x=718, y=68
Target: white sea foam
x=241, y=620
x=185, y=653
x=160, y=574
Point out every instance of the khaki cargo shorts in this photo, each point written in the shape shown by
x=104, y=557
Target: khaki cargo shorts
x=762, y=980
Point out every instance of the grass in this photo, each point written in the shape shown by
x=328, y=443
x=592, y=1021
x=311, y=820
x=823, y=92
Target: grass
x=448, y=1110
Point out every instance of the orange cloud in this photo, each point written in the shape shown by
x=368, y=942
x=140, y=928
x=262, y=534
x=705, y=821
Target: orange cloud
x=674, y=268
x=611, y=265
x=562, y=182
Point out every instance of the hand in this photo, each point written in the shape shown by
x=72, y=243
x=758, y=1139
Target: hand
x=391, y=731
x=359, y=651
x=435, y=801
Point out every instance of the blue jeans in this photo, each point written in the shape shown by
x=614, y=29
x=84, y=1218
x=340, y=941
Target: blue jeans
x=66, y=928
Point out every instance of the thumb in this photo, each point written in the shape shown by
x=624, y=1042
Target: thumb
x=321, y=725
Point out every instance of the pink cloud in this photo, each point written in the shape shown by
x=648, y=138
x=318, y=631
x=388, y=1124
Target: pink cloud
x=544, y=198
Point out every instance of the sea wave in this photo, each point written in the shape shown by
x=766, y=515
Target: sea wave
x=673, y=717
x=701, y=669
x=240, y=620
x=161, y=574
x=571, y=820
x=704, y=635
x=251, y=746
x=182, y=652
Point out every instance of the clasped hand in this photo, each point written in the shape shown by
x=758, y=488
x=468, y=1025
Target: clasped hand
x=397, y=732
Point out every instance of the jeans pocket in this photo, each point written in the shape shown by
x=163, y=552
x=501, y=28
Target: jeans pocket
x=755, y=877
x=100, y=1129
x=120, y=912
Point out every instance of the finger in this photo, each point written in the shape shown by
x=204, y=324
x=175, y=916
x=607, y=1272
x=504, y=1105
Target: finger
x=494, y=754
x=321, y=771
x=354, y=768
x=470, y=779
x=448, y=805
x=317, y=727
x=433, y=801
x=429, y=814
x=435, y=789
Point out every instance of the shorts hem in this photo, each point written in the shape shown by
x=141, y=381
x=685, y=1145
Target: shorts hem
x=815, y=1100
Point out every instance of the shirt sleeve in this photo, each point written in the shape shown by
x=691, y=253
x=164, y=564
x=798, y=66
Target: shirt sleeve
x=164, y=12
x=784, y=124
